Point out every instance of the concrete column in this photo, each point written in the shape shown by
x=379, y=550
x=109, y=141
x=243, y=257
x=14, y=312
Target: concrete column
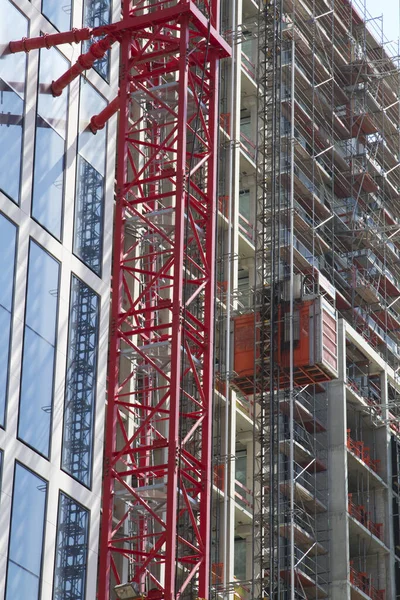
x=227, y=506
x=385, y=455
x=337, y=479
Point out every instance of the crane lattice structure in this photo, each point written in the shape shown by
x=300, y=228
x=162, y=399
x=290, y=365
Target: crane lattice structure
x=157, y=470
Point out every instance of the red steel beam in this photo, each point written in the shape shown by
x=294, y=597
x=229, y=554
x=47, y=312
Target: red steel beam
x=159, y=471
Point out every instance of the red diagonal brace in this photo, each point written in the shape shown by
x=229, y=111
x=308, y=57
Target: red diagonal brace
x=84, y=62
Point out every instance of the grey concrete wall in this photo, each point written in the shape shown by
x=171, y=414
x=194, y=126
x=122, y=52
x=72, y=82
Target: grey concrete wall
x=337, y=478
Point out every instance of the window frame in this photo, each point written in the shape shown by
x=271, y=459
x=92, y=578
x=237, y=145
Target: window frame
x=89, y=515
x=1, y=471
x=64, y=171
x=18, y=463
x=17, y=201
x=48, y=458
x=52, y=22
x=98, y=273
x=84, y=81
x=89, y=485
x=106, y=79
x=7, y=387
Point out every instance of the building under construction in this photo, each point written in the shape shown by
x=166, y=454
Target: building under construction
x=251, y=439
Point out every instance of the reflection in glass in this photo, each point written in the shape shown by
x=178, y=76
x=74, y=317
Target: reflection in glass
x=13, y=66
x=36, y=398
x=96, y=14
x=89, y=209
x=91, y=147
x=11, y=129
x=48, y=180
x=42, y=296
x=36, y=392
x=12, y=91
x=8, y=233
x=71, y=551
x=52, y=109
x=5, y=332
x=58, y=13
x=240, y=558
x=26, y=535
x=89, y=201
x=80, y=382
x=51, y=129
x=244, y=204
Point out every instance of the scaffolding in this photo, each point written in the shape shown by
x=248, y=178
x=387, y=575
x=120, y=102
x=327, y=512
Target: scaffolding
x=327, y=183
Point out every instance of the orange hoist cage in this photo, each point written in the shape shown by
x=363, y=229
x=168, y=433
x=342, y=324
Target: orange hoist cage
x=315, y=344
x=244, y=345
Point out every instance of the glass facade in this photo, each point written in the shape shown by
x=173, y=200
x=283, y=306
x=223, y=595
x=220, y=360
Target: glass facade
x=80, y=382
x=240, y=558
x=8, y=238
x=95, y=14
x=12, y=92
x=54, y=205
x=71, y=550
x=58, y=13
x=36, y=399
x=89, y=204
x=51, y=130
x=26, y=535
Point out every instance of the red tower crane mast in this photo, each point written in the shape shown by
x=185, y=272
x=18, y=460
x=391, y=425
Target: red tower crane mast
x=155, y=528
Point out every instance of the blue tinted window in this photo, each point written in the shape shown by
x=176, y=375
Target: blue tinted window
x=80, y=389
x=36, y=392
x=95, y=14
x=26, y=535
x=53, y=110
x=91, y=147
x=42, y=295
x=58, y=12
x=8, y=233
x=39, y=350
x=71, y=550
x=48, y=185
x=13, y=26
x=89, y=203
x=12, y=90
x=89, y=217
x=11, y=126
x=51, y=127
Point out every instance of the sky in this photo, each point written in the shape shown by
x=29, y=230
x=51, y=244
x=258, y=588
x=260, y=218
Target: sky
x=390, y=11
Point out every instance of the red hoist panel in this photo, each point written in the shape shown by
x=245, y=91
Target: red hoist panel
x=155, y=529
